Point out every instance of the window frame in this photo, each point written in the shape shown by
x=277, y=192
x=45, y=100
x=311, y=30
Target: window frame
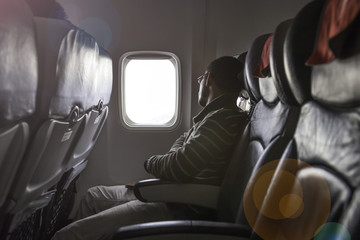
x=143, y=55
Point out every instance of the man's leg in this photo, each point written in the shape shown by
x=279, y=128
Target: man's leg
x=104, y=224
x=100, y=198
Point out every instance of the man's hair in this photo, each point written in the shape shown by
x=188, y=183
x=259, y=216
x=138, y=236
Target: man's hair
x=225, y=71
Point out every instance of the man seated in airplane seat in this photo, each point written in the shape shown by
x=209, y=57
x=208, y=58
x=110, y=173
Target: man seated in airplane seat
x=200, y=154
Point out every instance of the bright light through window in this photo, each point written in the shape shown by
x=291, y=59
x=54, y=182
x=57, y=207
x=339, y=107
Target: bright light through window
x=149, y=91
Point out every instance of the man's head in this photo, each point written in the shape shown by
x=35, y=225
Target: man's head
x=220, y=77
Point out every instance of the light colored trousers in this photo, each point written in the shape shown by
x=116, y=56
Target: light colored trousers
x=104, y=209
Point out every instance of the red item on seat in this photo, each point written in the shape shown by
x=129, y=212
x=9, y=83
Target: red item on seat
x=336, y=17
x=265, y=59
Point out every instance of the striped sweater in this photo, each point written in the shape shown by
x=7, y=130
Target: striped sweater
x=202, y=153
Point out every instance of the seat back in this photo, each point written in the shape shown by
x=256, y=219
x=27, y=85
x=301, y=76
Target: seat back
x=18, y=86
x=97, y=110
x=244, y=101
x=68, y=96
x=100, y=86
x=270, y=128
x=314, y=190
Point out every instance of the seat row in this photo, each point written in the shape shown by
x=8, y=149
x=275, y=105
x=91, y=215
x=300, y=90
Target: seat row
x=55, y=84
x=294, y=173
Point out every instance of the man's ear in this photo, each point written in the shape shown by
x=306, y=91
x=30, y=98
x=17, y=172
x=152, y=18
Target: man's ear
x=209, y=80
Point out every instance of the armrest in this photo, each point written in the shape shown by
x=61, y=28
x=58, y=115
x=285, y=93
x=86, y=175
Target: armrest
x=184, y=230
x=155, y=190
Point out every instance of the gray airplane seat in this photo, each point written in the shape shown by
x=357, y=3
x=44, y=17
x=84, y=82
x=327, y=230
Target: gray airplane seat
x=271, y=125
x=244, y=101
x=270, y=129
x=99, y=91
x=75, y=80
x=18, y=86
x=315, y=189
x=93, y=76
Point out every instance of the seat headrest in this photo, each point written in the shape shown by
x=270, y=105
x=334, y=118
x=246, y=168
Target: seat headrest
x=84, y=74
x=338, y=68
x=333, y=81
x=18, y=62
x=78, y=72
x=298, y=46
x=262, y=69
x=257, y=71
x=244, y=102
x=337, y=20
x=252, y=59
x=242, y=58
x=277, y=64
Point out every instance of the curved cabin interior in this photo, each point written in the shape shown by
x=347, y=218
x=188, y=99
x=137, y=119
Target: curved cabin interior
x=91, y=89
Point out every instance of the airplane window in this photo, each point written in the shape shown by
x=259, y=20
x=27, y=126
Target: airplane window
x=149, y=90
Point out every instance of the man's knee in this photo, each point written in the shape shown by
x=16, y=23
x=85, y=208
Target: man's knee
x=96, y=194
x=88, y=203
x=93, y=193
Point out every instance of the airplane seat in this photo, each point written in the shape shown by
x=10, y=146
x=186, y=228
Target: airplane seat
x=18, y=86
x=95, y=116
x=271, y=125
x=56, y=125
x=314, y=190
x=70, y=94
x=270, y=129
x=97, y=110
x=94, y=80
x=244, y=102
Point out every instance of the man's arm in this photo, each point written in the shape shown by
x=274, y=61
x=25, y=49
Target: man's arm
x=175, y=147
x=178, y=143
x=206, y=149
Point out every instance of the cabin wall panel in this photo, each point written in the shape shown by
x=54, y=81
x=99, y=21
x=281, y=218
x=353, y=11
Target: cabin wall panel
x=238, y=23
